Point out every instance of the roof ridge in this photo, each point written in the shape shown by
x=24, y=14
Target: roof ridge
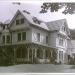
x=57, y=20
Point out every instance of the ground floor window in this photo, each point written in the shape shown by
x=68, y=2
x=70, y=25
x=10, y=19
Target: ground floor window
x=47, y=53
x=40, y=53
x=21, y=53
x=60, y=55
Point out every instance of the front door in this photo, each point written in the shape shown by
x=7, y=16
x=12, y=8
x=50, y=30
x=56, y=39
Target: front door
x=60, y=56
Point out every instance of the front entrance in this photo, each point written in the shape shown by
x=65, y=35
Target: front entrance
x=60, y=56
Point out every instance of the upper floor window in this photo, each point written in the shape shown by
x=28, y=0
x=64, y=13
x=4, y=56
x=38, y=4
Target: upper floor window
x=38, y=36
x=3, y=39
x=8, y=39
x=19, y=36
x=61, y=41
x=63, y=28
x=46, y=39
x=23, y=35
x=4, y=27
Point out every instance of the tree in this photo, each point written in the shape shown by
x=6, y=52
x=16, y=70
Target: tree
x=54, y=7
x=72, y=34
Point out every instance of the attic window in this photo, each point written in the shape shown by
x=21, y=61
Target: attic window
x=36, y=20
x=17, y=22
x=22, y=20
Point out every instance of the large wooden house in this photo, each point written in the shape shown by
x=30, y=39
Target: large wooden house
x=26, y=39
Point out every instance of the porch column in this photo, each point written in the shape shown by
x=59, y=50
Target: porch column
x=3, y=50
x=32, y=55
x=28, y=53
x=58, y=56
x=14, y=56
x=35, y=53
x=51, y=54
x=43, y=53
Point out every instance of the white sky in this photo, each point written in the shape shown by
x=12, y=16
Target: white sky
x=7, y=11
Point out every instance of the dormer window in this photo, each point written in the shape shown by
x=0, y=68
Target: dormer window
x=36, y=20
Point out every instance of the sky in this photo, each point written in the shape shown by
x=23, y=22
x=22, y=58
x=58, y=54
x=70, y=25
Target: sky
x=8, y=10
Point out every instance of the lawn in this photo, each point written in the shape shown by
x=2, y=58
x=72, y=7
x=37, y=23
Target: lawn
x=38, y=68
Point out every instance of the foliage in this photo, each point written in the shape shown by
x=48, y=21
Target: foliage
x=54, y=7
x=72, y=61
x=6, y=56
x=54, y=56
x=72, y=34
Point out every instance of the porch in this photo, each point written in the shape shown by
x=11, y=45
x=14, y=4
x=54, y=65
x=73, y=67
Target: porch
x=28, y=53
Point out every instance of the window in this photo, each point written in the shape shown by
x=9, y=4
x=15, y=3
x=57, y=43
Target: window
x=46, y=39
x=61, y=41
x=3, y=38
x=17, y=22
x=23, y=35
x=38, y=36
x=3, y=27
x=19, y=36
x=40, y=53
x=47, y=53
x=22, y=21
x=63, y=28
x=60, y=55
x=21, y=52
x=8, y=39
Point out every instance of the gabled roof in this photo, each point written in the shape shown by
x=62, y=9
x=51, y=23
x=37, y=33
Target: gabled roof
x=30, y=20
x=55, y=25
x=49, y=26
x=7, y=22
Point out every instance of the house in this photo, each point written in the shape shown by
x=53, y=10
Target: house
x=28, y=39
x=72, y=47
x=59, y=37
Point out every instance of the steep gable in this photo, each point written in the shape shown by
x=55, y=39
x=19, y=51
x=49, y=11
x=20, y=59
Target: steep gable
x=18, y=16
x=30, y=19
x=57, y=25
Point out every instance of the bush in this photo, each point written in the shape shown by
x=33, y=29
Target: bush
x=72, y=61
x=35, y=61
x=54, y=56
